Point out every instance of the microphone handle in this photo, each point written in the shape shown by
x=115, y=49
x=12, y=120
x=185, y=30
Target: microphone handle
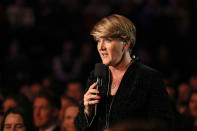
x=99, y=84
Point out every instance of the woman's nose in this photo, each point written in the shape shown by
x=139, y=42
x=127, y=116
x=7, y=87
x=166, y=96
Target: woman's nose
x=102, y=45
x=13, y=129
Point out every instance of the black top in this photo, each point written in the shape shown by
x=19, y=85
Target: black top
x=141, y=94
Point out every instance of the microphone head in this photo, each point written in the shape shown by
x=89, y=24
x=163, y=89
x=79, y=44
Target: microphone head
x=99, y=70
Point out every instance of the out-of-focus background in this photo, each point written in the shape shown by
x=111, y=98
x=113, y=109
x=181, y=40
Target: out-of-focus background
x=46, y=44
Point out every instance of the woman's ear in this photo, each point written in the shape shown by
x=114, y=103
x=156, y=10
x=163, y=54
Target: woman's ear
x=126, y=45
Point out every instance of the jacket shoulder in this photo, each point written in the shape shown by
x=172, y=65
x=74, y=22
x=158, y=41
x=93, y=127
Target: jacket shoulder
x=147, y=71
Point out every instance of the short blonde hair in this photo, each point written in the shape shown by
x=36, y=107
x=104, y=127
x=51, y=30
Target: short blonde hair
x=117, y=27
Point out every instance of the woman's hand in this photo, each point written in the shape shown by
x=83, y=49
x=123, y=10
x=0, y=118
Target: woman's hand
x=91, y=98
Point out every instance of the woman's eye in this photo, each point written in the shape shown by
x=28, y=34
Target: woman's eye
x=108, y=40
x=7, y=126
x=20, y=126
x=97, y=41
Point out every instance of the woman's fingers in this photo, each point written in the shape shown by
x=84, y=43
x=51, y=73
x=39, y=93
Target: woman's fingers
x=91, y=90
x=91, y=97
x=93, y=85
x=93, y=102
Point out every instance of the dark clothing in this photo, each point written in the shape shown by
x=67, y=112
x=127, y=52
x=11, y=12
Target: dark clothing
x=188, y=124
x=57, y=128
x=141, y=95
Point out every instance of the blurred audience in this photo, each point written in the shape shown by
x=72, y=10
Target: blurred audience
x=90, y=15
x=45, y=112
x=16, y=68
x=74, y=90
x=9, y=103
x=182, y=99
x=171, y=92
x=83, y=62
x=69, y=115
x=65, y=101
x=18, y=15
x=46, y=44
x=192, y=125
x=16, y=100
x=193, y=81
x=16, y=119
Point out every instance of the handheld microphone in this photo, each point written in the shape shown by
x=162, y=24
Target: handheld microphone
x=99, y=74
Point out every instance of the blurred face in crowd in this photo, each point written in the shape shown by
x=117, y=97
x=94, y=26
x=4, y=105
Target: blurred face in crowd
x=14, y=122
x=8, y=103
x=69, y=117
x=36, y=88
x=183, y=92
x=46, y=82
x=193, y=82
x=170, y=92
x=74, y=91
x=42, y=113
x=64, y=103
x=193, y=105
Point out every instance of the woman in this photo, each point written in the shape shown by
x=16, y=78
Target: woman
x=70, y=114
x=15, y=119
x=131, y=90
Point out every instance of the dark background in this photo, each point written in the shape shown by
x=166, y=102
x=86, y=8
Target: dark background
x=50, y=38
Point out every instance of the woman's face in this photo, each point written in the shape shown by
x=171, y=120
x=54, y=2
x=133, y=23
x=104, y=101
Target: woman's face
x=193, y=105
x=111, y=50
x=14, y=122
x=69, y=118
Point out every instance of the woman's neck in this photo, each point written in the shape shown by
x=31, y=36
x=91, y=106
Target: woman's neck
x=117, y=73
x=122, y=66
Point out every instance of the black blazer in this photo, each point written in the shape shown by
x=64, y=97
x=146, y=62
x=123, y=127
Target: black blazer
x=141, y=95
x=57, y=128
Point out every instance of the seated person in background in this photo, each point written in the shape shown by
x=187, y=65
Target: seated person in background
x=192, y=124
x=70, y=113
x=45, y=112
x=74, y=90
x=193, y=81
x=183, y=92
x=65, y=101
x=15, y=119
x=16, y=100
x=9, y=102
x=189, y=123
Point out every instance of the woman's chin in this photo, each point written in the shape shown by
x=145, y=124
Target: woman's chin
x=105, y=63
